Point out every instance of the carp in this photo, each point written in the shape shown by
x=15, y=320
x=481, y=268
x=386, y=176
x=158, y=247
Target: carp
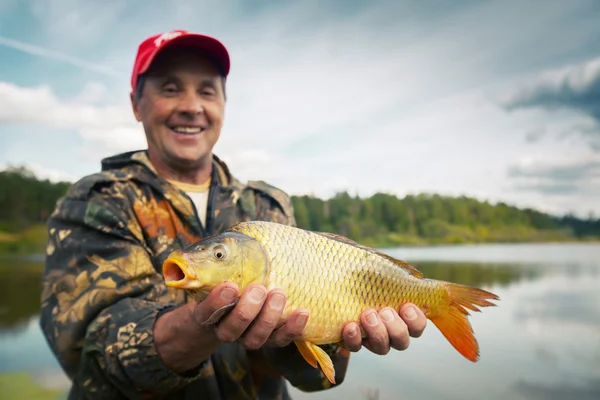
x=330, y=275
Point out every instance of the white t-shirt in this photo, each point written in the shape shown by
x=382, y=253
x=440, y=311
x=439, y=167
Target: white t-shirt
x=198, y=194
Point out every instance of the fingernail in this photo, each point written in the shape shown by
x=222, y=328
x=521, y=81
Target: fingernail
x=387, y=316
x=227, y=294
x=276, y=302
x=353, y=332
x=372, y=319
x=301, y=320
x=256, y=295
x=410, y=313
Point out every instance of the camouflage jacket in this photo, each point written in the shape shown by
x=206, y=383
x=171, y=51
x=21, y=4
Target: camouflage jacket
x=103, y=288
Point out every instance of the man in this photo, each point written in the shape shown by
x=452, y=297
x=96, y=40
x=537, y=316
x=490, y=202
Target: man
x=114, y=326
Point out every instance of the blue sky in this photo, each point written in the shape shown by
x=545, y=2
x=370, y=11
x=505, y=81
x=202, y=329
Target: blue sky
x=498, y=100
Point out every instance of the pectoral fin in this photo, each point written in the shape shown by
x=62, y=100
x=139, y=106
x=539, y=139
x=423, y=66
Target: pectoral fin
x=314, y=355
x=220, y=313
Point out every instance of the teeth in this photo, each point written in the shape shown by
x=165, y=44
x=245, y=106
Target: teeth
x=186, y=129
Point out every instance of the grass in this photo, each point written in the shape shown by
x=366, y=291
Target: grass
x=6, y=237
x=33, y=240
x=30, y=241
x=22, y=386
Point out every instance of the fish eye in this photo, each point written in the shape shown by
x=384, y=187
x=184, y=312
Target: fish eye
x=219, y=252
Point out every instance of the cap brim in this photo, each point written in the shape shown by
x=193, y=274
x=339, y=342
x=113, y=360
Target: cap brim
x=207, y=44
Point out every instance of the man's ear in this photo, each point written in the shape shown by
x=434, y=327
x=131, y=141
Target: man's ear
x=135, y=106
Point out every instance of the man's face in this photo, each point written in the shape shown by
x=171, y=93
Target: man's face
x=181, y=108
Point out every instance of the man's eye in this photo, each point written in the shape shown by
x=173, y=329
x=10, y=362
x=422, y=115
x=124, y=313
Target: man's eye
x=169, y=89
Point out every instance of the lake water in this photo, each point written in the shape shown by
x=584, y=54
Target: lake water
x=541, y=342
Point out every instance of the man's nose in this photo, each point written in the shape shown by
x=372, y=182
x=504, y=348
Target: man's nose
x=190, y=103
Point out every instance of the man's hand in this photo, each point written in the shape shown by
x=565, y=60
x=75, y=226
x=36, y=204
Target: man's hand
x=385, y=329
x=183, y=341
x=255, y=318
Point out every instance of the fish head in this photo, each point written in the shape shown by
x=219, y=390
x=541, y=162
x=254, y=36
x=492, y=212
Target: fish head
x=227, y=257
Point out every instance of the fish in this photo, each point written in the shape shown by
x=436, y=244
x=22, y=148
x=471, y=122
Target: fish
x=335, y=278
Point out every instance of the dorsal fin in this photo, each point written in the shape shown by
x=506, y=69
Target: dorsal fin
x=339, y=238
x=402, y=264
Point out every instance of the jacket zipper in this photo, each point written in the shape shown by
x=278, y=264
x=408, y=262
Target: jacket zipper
x=208, y=230
x=210, y=220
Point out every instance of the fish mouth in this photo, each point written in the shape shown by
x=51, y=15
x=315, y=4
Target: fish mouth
x=177, y=274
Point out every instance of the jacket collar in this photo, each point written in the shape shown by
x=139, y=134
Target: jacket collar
x=140, y=157
x=143, y=170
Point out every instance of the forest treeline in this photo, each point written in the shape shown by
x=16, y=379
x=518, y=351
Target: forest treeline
x=379, y=220
x=25, y=200
x=385, y=219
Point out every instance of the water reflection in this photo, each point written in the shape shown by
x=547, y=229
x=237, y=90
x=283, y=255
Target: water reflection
x=20, y=283
x=20, y=289
x=588, y=390
x=478, y=274
x=563, y=307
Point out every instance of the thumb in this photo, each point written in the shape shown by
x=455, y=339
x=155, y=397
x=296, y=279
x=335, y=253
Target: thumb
x=217, y=304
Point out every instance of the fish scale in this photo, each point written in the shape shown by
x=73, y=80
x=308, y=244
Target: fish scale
x=333, y=277
x=339, y=280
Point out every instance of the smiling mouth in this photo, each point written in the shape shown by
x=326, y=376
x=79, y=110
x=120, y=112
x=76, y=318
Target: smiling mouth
x=187, y=130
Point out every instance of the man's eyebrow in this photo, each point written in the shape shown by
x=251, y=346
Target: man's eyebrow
x=167, y=79
x=163, y=79
x=209, y=81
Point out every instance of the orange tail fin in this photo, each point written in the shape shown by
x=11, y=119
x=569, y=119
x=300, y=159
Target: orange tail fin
x=454, y=324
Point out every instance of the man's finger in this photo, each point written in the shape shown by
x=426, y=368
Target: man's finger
x=233, y=325
x=292, y=328
x=262, y=327
x=396, y=328
x=414, y=318
x=351, y=336
x=220, y=296
x=377, y=337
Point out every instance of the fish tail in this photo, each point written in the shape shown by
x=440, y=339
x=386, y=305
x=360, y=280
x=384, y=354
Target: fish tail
x=454, y=325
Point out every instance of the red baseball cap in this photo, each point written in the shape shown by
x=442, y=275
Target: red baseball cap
x=151, y=46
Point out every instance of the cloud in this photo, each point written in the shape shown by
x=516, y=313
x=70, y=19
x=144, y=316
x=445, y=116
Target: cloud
x=588, y=131
x=535, y=134
x=92, y=93
x=558, y=176
x=75, y=23
x=106, y=128
x=46, y=53
x=575, y=88
x=387, y=96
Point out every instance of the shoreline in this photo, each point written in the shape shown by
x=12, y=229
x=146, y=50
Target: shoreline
x=36, y=249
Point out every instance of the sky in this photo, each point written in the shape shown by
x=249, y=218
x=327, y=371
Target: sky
x=497, y=100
